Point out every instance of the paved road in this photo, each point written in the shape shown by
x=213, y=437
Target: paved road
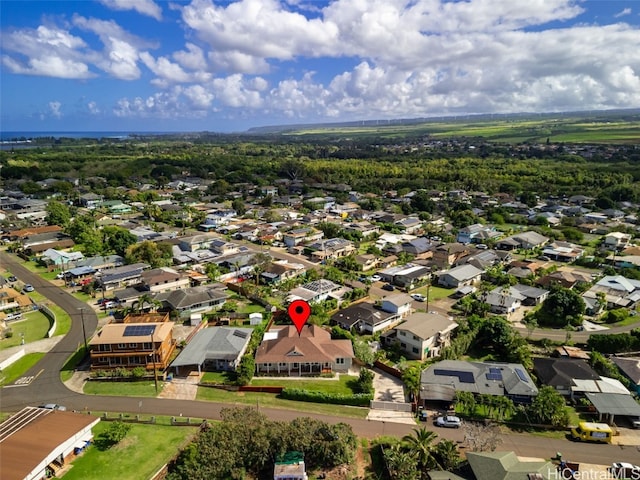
x=47, y=387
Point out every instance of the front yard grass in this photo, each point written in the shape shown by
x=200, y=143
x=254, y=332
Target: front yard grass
x=34, y=325
x=17, y=369
x=144, y=450
x=63, y=321
x=343, y=385
x=142, y=388
x=272, y=401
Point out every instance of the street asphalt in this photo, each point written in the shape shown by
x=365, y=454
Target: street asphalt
x=47, y=387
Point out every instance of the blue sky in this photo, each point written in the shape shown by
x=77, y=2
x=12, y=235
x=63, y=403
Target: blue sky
x=148, y=65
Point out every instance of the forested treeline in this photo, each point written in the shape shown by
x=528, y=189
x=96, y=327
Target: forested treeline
x=367, y=167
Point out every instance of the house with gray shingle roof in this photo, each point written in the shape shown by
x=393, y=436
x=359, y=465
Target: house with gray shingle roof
x=630, y=368
x=459, y=276
x=215, y=348
x=202, y=298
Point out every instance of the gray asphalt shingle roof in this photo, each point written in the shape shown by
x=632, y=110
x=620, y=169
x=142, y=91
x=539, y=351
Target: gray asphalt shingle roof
x=213, y=343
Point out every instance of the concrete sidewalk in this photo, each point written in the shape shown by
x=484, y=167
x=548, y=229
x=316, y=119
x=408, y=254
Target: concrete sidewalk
x=39, y=346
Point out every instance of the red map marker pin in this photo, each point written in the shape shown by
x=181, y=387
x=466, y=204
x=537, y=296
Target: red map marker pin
x=299, y=312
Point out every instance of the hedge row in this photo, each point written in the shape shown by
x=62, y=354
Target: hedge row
x=300, y=395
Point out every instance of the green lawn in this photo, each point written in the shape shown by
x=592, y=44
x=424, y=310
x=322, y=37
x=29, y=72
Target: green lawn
x=219, y=378
x=330, y=385
x=143, y=388
x=34, y=325
x=251, y=308
x=17, y=369
x=271, y=401
x=63, y=321
x=144, y=450
x=435, y=293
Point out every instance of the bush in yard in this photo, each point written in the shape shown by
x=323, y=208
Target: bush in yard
x=300, y=395
x=245, y=369
x=113, y=435
x=365, y=381
x=139, y=372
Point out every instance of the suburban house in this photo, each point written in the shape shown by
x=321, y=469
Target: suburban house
x=163, y=280
x=129, y=345
x=60, y=258
x=290, y=467
x=314, y=292
x=477, y=233
x=507, y=466
x=450, y=254
x=524, y=240
x=502, y=301
x=312, y=352
x=459, y=276
x=124, y=276
x=202, y=298
x=567, y=279
x=616, y=241
x=365, y=318
x=213, y=349
x=405, y=275
x=366, y=261
x=422, y=335
x=280, y=271
x=560, y=373
x=38, y=443
x=618, y=291
x=630, y=368
x=196, y=242
x=442, y=380
x=563, y=251
x=11, y=299
x=364, y=228
x=331, y=249
x=409, y=225
x=298, y=236
x=399, y=304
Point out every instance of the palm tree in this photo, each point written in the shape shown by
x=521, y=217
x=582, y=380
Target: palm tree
x=421, y=443
x=401, y=463
x=411, y=379
x=447, y=453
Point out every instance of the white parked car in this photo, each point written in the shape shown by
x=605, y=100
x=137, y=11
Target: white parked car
x=624, y=470
x=375, y=278
x=418, y=297
x=449, y=421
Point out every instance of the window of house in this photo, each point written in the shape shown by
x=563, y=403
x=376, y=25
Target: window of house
x=340, y=361
x=415, y=350
x=133, y=345
x=415, y=337
x=122, y=345
x=402, y=334
x=295, y=365
x=403, y=345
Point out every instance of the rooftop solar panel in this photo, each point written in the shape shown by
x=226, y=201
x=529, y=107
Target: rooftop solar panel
x=463, y=377
x=522, y=375
x=138, y=330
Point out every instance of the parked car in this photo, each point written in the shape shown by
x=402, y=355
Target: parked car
x=28, y=288
x=423, y=415
x=53, y=406
x=375, y=278
x=481, y=246
x=418, y=297
x=449, y=421
x=12, y=278
x=388, y=287
x=624, y=470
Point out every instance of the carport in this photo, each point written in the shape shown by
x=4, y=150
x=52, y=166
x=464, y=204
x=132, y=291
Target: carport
x=608, y=405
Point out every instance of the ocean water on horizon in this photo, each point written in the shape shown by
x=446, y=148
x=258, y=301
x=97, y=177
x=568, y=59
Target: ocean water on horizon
x=17, y=135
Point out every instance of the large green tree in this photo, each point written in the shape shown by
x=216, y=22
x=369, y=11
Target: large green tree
x=155, y=254
x=561, y=308
x=58, y=213
x=549, y=408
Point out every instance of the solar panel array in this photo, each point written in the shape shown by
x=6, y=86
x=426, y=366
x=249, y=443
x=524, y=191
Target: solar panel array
x=463, y=377
x=138, y=330
x=238, y=333
x=494, y=374
x=521, y=375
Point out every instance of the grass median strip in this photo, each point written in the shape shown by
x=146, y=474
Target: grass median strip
x=18, y=368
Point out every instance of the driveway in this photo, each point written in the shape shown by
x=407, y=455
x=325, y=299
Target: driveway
x=387, y=387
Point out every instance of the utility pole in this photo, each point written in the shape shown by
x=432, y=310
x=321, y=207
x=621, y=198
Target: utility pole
x=84, y=332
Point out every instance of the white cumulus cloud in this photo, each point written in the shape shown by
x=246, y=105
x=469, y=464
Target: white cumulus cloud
x=144, y=7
